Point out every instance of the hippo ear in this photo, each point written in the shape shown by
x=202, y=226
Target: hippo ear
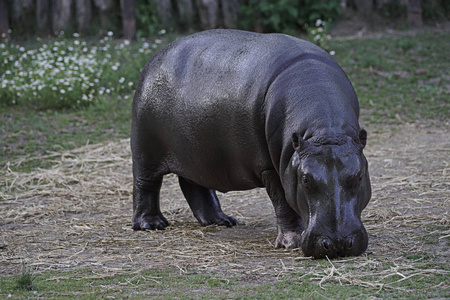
x=298, y=142
x=363, y=137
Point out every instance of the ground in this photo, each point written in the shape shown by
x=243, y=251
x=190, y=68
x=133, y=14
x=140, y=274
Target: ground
x=66, y=215
x=77, y=214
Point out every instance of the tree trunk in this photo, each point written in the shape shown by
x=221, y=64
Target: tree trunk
x=43, y=16
x=208, y=13
x=165, y=10
x=61, y=10
x=20, y=9
x=83, y=12
x=365, y=9
x=186, y=12
x=4, y=20
x=16, y=10
x=128, y=19
x=22, y=15
x=230, y=10
x=414, y=14
x=105, y=7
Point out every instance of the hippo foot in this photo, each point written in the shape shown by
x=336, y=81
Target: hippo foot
x=288, y=240
x=158, y=222
x=220, y=219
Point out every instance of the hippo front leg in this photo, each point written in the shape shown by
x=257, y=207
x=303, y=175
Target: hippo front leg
x=290, y=224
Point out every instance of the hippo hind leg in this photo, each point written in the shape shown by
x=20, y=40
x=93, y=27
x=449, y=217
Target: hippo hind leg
x=205, y=204
x=146, y=211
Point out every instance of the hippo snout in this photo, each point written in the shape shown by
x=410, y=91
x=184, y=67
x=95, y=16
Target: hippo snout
x=320, y=246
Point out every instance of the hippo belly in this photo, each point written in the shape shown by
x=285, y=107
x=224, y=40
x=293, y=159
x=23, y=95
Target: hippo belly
x=214, y=145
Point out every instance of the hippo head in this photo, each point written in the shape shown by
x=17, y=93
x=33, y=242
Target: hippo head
x=329, y=188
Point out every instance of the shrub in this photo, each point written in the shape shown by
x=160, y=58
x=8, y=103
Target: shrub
x=148, y=19
x=25, y=280
x=287, y=15
x=318, y=34
x=69, y=72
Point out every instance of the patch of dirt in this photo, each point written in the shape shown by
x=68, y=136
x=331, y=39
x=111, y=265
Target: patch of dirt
x=78, y=214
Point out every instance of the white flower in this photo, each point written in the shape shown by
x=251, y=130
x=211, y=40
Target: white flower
x=130, y=84
x=114, y=67
x=318, y=22
x=22, y=49
x=110, y=33
x=62, y=91
x=162, y=31
x=317, y=37
x=332, y=52
x=75, y=35
x=158, y=41
x=122, y=79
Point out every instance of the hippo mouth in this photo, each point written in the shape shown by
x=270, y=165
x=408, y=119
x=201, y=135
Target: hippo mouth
x=333, y=245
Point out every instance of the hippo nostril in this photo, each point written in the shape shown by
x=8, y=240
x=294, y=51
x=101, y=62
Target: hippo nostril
x=326, y=244
x=349, y=243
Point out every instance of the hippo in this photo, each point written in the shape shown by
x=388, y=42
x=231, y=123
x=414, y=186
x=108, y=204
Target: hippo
x=230, y=110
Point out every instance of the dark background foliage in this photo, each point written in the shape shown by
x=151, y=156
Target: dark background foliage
x=131, y=18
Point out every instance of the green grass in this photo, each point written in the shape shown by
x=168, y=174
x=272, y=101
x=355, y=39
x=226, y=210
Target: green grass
x=402, y=78
x=25, y=280
x=31, y=134
x=380, y=279
x=396, y=79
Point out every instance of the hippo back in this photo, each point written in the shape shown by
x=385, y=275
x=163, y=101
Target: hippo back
x=215, y=101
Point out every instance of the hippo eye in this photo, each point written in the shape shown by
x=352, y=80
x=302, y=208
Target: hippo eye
x=306, y=181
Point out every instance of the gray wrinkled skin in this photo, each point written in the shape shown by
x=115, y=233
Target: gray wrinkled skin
x=233, y=110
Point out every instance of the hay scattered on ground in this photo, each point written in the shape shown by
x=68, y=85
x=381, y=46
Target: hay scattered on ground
x=78, y=214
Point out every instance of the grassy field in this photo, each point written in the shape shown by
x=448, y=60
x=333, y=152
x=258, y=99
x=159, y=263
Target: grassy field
x=337, y=282
x=396, y=79
x=399, y=80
